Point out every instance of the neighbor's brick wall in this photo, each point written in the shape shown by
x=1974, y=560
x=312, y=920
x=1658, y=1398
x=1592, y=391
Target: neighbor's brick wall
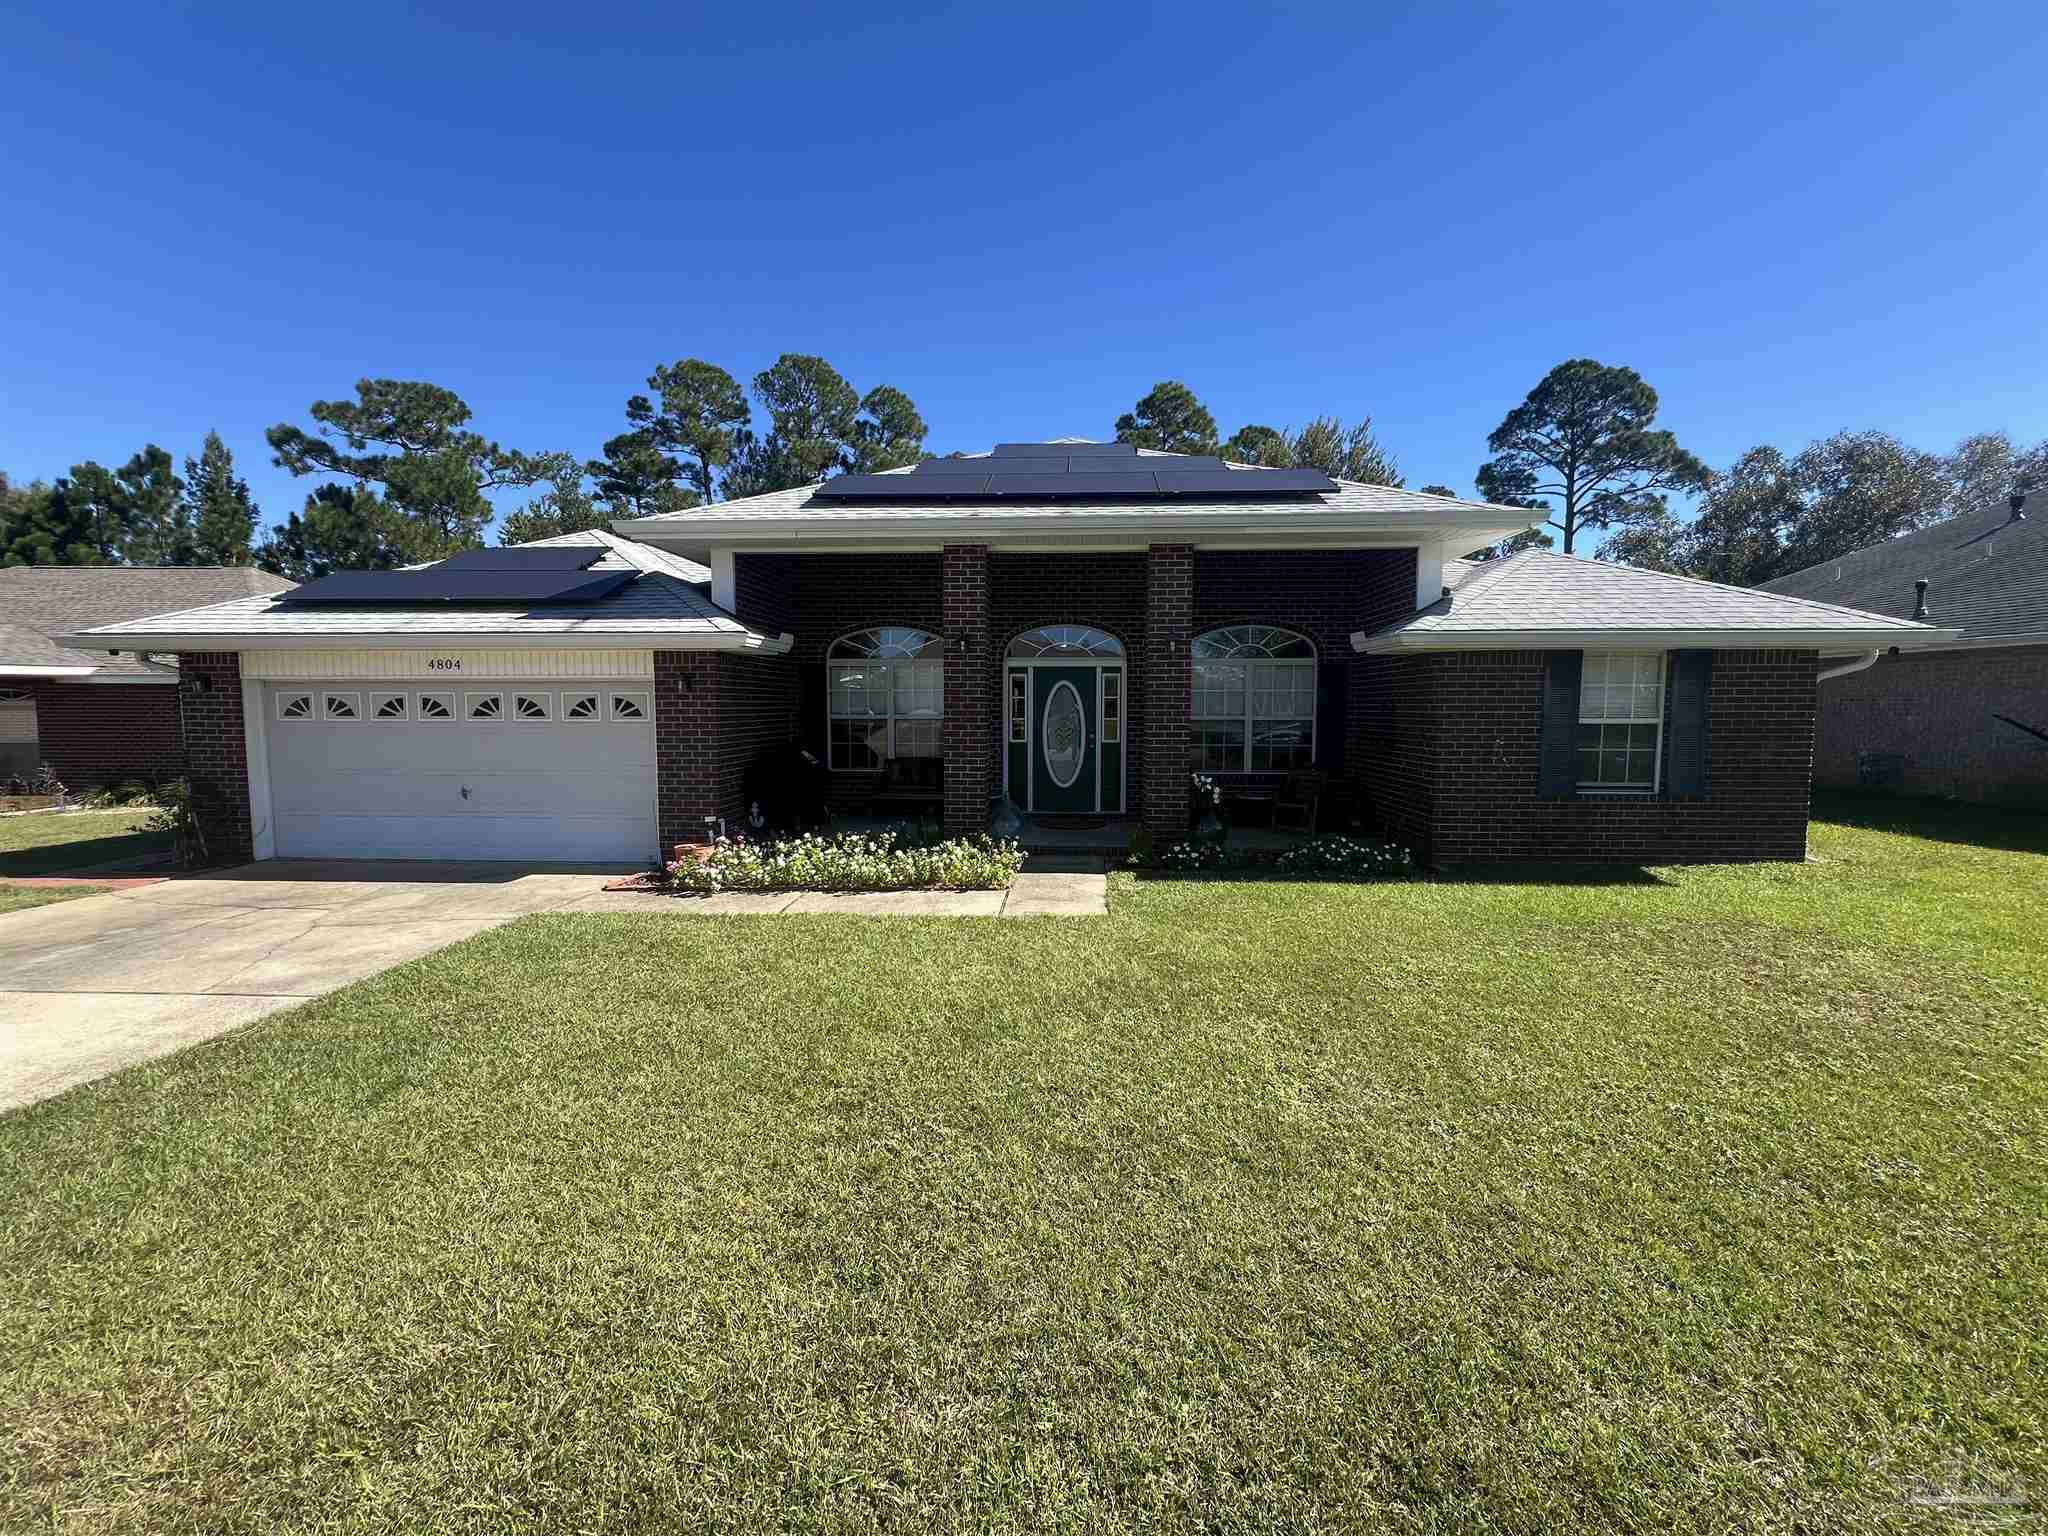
x=1937, y=711
x=1485, y=711
x=94, y=734
x=969, y=726
x=217, y=753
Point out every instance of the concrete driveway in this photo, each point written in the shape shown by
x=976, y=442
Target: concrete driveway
x=90, y=986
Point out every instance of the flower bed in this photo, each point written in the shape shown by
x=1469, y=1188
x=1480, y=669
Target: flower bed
x=848, y=862
x=1328, y=858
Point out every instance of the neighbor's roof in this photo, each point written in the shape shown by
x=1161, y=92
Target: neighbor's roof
x=665, y=604
x=1353, y=508
x=44, y=603
x=1541, y=601
x=1986, y=574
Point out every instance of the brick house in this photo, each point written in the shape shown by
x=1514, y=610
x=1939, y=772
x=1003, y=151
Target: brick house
x=97, y=717
x=1965, y=717
x=1072, y=627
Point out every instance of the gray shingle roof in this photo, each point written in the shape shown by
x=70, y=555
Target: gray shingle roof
x=666, y=603
x=53, y=601
x=1987, y=575
x=1537, y=599
x=1351, y=500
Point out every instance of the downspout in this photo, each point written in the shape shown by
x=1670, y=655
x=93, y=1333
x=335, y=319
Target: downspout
x=1860, y=664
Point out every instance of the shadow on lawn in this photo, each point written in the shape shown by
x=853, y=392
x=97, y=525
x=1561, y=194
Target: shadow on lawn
x=2011, y=828
x=69, y=858
x=1487, y=874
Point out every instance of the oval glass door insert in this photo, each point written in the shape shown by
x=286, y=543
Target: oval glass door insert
x=1064, y=735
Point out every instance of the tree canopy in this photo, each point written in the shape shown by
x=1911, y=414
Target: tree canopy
x=813, y=410
x=410, y=440
x=702, y=408
x=223, y=517
x=636, y=479
x=1169, y=418
x=1584, y=445
x=341, y=528
x=1349, y=453
x=1268, y=447
x=887, y=434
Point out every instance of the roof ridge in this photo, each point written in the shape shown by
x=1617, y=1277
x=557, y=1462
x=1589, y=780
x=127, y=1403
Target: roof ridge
x=1698, y=581
x=1911, y=538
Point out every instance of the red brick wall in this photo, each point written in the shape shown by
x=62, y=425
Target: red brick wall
x=969, y=729
x=1169, y=615
x=765, y=591
x=216, y=752
x=757, y=704
x=1937, y=712
x=96, y=734
x=1465, y=752
x=712, y=712
x=818, y=598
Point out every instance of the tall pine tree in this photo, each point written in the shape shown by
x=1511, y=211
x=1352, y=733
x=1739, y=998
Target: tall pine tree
x=220, y=512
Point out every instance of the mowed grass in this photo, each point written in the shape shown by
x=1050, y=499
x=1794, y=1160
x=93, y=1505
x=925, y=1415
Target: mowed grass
x=1708, y=1202
x=14, y=898
x=62, y=842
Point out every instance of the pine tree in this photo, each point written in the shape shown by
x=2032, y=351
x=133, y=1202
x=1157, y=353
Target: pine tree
x=222, y=516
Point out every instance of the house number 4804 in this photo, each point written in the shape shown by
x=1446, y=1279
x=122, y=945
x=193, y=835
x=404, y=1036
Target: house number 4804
x=444, y=663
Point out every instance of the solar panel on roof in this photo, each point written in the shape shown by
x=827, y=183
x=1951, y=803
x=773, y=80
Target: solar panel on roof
x=437, y=585
x=1072, y=485
x=526, y=557
x=902, y=486
x=952, y=467
x=1068, y=450
x=1241, y=482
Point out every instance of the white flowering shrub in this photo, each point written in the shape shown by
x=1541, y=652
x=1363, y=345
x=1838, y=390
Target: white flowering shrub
x=851, y=861
x=1356, y=857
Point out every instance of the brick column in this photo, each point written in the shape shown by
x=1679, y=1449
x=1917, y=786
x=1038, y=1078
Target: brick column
x=686, y=700
x=1169, y=618
x=216, y=752
x=969, y=731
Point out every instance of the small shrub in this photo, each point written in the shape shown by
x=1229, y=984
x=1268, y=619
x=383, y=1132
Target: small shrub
x=1143, y=847
x=175, y=815
x=1356, y=857
x=849, y=862
x=1197, y=853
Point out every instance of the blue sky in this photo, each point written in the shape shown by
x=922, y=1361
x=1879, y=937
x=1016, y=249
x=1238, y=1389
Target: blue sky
x=1790, y=221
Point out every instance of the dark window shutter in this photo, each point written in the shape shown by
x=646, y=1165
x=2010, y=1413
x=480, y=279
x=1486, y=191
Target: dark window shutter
x=1559, y=773
x=1692, y=676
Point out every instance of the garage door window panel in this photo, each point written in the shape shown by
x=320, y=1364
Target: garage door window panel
x=437, y=706
x=389, y=706
x=582, y=706
x=295, y=706
x=629, y=706
x=486, y=707
x=341, y=706
x=535, y=707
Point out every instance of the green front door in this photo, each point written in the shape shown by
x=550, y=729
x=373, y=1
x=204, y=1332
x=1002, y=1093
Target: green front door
x=1063, y=754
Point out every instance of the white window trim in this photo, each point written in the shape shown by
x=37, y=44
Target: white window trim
x=1309, y=663
x=547, y=704
x=452, y=700
x=1655, y=787
x=379, y=696
x=886, y=665
x=355, y=717
x=643, y=700
x=596, y=715
x=469, y=713
x=312, y=707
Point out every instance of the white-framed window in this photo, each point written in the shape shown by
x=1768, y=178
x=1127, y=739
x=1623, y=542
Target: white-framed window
x=885, y=696
x=582, y=706
x=341, y=706
x=14, y=696
x=295, y=706
x=1621, y=720
x=1020, y=723
x=533, y=706
x=437, y=706
x=389, y=706
x=1112, y=707
x=630, y=706
x=1253, y=700
x=1058, y=640
x=483, y=706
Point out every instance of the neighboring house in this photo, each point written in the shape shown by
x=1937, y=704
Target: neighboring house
x=97, y=718
x=1074, y=625
x=1967, y=717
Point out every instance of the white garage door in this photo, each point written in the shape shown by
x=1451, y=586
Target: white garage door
x=561, y=771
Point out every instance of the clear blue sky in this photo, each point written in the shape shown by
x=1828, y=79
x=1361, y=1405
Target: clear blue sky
x=1790, y=221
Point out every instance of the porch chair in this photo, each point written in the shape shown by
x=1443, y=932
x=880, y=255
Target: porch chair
x=1299, y=802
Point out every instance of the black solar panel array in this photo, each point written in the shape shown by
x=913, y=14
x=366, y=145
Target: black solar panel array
x=555, y=574
x=1049, y=471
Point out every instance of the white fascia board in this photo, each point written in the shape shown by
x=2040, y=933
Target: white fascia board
x=51, y=671
x=1245, y=529
x=636, y=640
x=135, y=679
x=1842, y=640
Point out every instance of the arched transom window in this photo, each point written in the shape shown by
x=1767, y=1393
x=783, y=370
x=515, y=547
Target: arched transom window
x=885, y=692
x=1254, y=700
x=1058, y=640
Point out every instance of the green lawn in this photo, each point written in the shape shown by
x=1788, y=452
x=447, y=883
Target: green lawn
x=62, y=844
x=1715, y=1200
x=16, y=898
